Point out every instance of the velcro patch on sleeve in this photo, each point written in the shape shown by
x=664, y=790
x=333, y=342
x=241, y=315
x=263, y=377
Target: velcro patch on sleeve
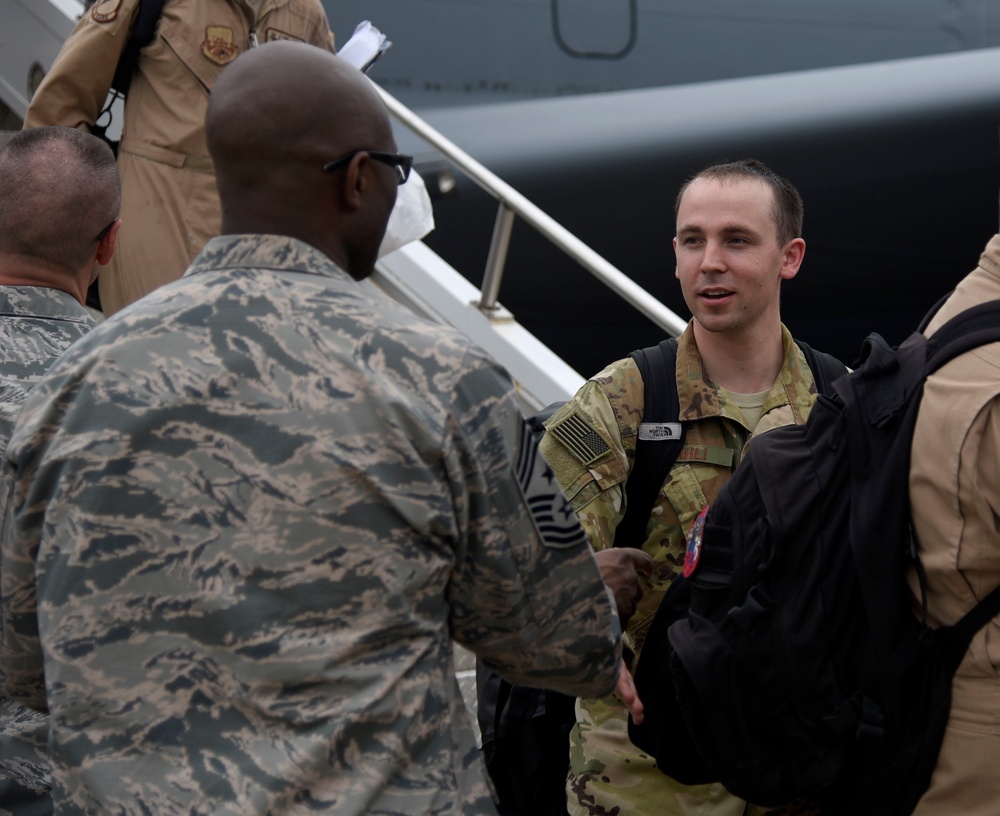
x=722, y=457
x=581, y=437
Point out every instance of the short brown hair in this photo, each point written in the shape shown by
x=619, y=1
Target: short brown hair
x=787, y=201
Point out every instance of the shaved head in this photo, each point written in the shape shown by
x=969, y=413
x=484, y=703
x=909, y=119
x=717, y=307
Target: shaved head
x=276, y=116
x=59, y=189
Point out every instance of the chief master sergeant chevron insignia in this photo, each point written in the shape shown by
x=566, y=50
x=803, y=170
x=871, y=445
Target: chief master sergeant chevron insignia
x=547, y=504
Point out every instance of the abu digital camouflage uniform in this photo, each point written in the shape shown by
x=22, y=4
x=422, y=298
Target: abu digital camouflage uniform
x=608, y=774
x=260, y=505
x=36, y=325
x=169, y=200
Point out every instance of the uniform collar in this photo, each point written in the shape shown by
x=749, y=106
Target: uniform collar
x=700, y=398
x=277, y=252
x=42, y=301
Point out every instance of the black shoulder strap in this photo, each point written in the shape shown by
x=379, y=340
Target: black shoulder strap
x=142, y=35
x=536, y=422
x=975, y=619
x=653, y=456
x=965, y=331
x=933, y=311
x=825, y=367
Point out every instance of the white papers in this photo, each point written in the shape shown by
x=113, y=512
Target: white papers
x=366, y=45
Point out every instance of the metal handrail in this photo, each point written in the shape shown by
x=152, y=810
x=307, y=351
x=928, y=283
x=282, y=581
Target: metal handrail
x=511, y=203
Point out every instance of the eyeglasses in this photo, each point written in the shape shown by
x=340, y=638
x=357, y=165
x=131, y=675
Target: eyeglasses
x=106, y=230
x=402, y=164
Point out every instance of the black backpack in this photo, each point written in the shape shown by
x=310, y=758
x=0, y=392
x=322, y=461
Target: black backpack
x=800, y=668
x=525, y=731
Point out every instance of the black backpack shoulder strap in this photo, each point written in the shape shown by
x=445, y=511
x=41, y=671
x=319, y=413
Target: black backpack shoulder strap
x=536, y=422
x=933, y=311
x=658, y=444
x=965, y=331
x=142, y=35
x=825, y=367
x=974, y=620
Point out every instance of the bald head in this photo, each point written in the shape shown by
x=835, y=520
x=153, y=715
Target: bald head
x=59, y=189
x=276, y=116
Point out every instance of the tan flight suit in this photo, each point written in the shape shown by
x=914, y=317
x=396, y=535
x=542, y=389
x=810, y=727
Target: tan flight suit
x=170, y=206
x=955, y=495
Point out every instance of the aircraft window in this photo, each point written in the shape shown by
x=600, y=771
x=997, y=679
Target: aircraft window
x=580, y=21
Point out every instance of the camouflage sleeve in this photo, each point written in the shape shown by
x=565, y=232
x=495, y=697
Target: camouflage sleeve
x=74, y=90
x=24, y=767
x=11, y=399
x=590, y=450
x=526, y=596
x=16, y=577
x=21, y=671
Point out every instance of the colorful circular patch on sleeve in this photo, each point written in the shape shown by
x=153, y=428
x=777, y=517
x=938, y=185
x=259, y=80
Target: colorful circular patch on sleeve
x=695, y=539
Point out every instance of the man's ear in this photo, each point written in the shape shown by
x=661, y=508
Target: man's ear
x=356, y=180
x=795, y=251
x=106, y=247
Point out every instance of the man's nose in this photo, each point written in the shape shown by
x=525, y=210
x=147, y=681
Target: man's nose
x=713, y=259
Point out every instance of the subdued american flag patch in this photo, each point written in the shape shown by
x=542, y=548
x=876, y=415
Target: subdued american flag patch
x=580, y=437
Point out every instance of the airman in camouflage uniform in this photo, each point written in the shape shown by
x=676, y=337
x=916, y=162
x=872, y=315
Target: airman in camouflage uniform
x=36, y=325
x=58, y=188
x=732, y=256
x=261, y=503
